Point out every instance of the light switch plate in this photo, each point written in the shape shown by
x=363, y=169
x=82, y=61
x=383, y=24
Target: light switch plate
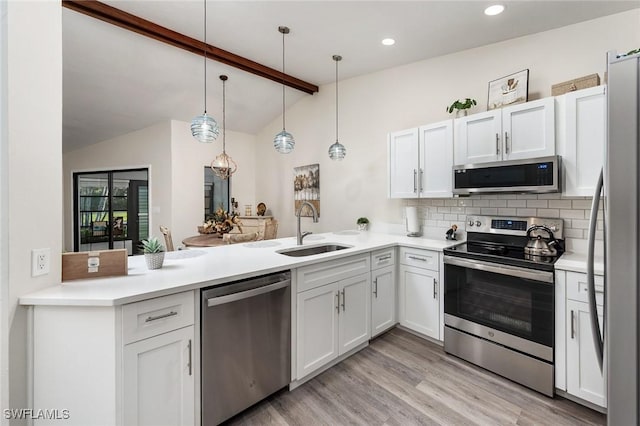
x=40, y=261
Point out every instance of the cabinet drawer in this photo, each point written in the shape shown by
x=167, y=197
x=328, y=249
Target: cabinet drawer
x=578, y=290
x=151, y=317
x=424, y=259
x=383, y=258
x=313, y=276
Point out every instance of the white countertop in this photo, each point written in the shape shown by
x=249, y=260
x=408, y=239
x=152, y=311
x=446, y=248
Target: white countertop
x=197, y=268
x=577, y=262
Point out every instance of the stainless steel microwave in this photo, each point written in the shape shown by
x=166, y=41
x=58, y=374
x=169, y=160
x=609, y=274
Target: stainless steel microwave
x=533, y=175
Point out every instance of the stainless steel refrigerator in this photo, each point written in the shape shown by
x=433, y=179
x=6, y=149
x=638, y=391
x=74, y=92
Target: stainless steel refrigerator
x=619, y=351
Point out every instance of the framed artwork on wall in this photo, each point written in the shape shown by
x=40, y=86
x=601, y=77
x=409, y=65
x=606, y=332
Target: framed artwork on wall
x=306, y=187
x=509, y=90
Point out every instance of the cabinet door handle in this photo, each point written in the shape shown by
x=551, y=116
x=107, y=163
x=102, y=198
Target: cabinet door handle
x=375, y=288
x=190, y=359
x=506, y=143
x=338, y=302
x=343, y=300
x=435, y=289
x=573, y=324
x=415, y=181
x=157, y=317
x=420, y=178
x=422, y=259
x=497, y=143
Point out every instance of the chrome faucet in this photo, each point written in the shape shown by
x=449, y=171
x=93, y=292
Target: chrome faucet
x=301, y=235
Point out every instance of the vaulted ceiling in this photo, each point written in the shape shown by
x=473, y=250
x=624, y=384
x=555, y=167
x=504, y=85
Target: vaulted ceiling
x=117, y=81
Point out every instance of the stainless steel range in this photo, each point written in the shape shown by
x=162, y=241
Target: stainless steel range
x=499, y=297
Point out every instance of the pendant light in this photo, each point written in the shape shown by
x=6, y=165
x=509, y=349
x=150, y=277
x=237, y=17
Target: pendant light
x=223, y=166
x=283, y=142
x=337, y=151
x=203, y=127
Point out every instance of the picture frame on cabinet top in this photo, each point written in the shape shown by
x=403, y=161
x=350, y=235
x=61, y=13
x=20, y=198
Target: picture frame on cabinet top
x=508, y=90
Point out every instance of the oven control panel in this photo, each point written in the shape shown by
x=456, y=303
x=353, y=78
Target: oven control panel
x=512, y=225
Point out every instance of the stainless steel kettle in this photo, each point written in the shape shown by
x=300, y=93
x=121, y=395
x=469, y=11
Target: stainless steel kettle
x=539, y=246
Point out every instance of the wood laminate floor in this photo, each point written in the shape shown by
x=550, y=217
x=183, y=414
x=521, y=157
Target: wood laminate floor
x=401, y=379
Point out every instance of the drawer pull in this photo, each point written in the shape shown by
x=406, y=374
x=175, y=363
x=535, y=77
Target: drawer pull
x=422, y=259
x=383, y=258
x=190, y=359
x=157, y=317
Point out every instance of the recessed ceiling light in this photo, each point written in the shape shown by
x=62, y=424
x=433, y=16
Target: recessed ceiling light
x=496, y=9
x=388, y=42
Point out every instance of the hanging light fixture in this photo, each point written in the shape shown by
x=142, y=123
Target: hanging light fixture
x=203, y=127
x=223, y=165
x=337, y=151
x=283, y=142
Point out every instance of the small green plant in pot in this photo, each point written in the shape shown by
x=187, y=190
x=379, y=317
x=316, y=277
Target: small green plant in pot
x=363, y=223
x=461, y=107
x=153, y=252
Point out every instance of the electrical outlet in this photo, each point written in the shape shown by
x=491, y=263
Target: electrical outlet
x=40, y=261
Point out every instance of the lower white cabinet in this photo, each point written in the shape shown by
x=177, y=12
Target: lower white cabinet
x=159, y=380
x=576, y=360
x=419, y=291
x=383, y=299
x=332, y=320
x=419, y=300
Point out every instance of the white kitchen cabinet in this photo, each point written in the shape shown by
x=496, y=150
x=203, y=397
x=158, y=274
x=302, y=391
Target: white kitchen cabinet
x=420, y=161
x=581, y=134
x=419, y=291
x=383, y=290
x=130, y=363
x=332, y=320
x=159, y=382
x=519, y=131
x=333, y=311
x=577, y=370
x=584, y=378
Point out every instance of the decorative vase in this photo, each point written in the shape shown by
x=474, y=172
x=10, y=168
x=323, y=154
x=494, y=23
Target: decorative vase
x=461, y=113
x=154, y=260
x=363, y=226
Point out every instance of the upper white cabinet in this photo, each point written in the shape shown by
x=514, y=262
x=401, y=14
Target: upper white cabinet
x=581, y=134
x=420, y=161
x=520, y=131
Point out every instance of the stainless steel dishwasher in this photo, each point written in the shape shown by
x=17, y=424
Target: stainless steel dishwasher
x=246, y=344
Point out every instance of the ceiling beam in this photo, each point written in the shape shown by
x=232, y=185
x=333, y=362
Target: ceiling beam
x=130, y=22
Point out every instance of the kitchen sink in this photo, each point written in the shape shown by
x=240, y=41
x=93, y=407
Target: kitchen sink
x=311, y=250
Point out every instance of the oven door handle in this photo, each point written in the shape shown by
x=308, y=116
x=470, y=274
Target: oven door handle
x=513, y=271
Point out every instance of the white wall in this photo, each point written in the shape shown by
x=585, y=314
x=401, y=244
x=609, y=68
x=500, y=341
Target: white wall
x=176, y=173
x=4, y=216
x=34, y=142
x=150, y=147
x=188, y=158
x=408, y=96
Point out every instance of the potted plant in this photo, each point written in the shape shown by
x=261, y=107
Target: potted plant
x=461, y=107
x=153, y=252
x=363, y=223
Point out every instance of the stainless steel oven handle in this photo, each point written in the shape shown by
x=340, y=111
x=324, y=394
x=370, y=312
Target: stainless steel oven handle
x=513, y=271
x=215, y=301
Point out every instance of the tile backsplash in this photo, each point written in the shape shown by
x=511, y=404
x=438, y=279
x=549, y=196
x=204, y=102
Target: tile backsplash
x=438, y=215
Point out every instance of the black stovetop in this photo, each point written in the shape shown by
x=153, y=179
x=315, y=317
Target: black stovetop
x=506, y=250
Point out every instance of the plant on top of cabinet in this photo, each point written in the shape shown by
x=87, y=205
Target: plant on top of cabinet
x=461, y=106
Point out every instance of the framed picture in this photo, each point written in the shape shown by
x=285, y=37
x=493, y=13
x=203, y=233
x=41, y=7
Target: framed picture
x=508, y=90
x=306, y=187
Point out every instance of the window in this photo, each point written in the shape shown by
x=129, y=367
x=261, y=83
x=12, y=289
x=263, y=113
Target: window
x=111, y=210
x=216, y=193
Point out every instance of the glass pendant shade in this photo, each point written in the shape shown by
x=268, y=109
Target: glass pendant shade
x=204, y=128
x=337, y=151
x=223, y=166
x=284, y=142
